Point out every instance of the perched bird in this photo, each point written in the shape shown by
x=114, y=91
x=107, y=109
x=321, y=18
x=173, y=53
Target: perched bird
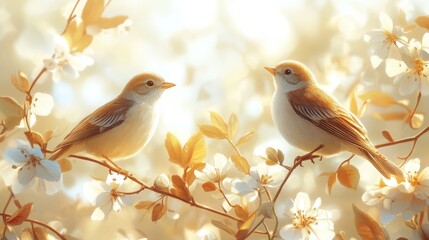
x=122, y=127
x=307, y=118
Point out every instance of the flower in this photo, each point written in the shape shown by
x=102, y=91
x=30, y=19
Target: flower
x=412, y=71
x=261, y=176
x=216, y=172
x=162, y=182
x=106, y=196
x=25, y=164
x=384, y=42
x=308, y=222
x=63, y=60
x=41, y=105
x=408, y=196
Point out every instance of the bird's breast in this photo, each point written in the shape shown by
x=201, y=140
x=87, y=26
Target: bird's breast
x=300, y=132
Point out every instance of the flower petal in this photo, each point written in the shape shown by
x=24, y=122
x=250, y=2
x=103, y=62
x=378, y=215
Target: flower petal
x=386, y=22
x=42, y=104
x=26, y=174
x=48, y=170
x=408, y=84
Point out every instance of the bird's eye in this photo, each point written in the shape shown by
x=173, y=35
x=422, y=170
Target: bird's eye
x=149, y=83
x=288, y=71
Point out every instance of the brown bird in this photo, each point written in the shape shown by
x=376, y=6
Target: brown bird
x=122, y=127
x=307, y=118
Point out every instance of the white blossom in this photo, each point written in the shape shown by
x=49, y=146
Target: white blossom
x=308, y=222
x=106, y=196
x=384, y=42
x=408, y=196
x=412, y=70
x=41, y=105
x=216, y=172
x=25, y=165
x=63, y=60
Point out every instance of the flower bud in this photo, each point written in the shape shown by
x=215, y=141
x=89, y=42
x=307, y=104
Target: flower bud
x=162, y=182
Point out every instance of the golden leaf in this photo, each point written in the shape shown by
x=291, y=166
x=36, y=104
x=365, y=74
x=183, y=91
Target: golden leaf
x=112, y=22
x=353, y=103
x=174, y=148
x=34, y=138
x=417, y=120
x=245, y=138
x=249, y=222
x=20, y=81
x=11, y=111
x=366, y=226
x=212, y=132
x=423, y=21
x=65, y=165
x=144, y=204
x=20, y=215
x=194, y=150
x=190, y=174
x=223, y=226
x=209, y=187
x=83, y=43
x=47, y=136
x=241, y=212
x=348, y=176
x=232, y=126
x=218, y=122
x=92, y=11
x=180, y=190
x=77, y=37
x=386, y=134
x=332, y=179
x=391, y=116
x=158, y=211
x=26, y=234
x=378, y=98
x=240, y=163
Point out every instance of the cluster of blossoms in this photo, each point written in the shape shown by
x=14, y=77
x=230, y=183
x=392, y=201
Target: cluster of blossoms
x=406, y=196
x=406, y=60
x=306, y=221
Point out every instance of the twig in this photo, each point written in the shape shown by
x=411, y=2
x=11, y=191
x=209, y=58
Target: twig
x=223, y=194
x=4, y=212
x=70, y=18
x=35, y=80
x=267, y=229
x=38, y=223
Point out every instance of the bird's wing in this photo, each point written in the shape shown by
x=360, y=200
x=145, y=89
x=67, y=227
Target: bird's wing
x=101, y=120
x=324, y=112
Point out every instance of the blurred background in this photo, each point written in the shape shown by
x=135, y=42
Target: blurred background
x=214, y=51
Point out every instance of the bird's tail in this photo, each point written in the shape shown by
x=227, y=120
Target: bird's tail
x=382, y=164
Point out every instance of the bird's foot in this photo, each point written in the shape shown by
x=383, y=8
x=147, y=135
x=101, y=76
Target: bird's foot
x=116, y=168
x=309, y=156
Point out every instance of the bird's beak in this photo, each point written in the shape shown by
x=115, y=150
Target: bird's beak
x=271, y=70
x=166, y=85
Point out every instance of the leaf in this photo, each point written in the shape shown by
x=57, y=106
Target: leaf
x=26, y=234
x=240, y=163
x=348, y=176
x=387, y=136
x=209, y=187
x=144, y=204
x=34, y=138
x=391, y=116
x=12, y=112
x=180, y=190
x=174, y=148
x=92, y=11
x=41, y=234
x=378, y=98
x=423, y=21
x=271, y=154
x=366, y=226
x=223, y=226
x=190, y=174
x=17, y=203
x=194, y=150
x=113, y=22
x=232, y=126
x=158, y=211
x=332, y=179
x=65, y=165
x=245, y=138
x=353, y=103
x=20, y=81
x=20, y=215
x=417, y=120
x=218, y=122
x=47, y=136
x=241, y=212
x=212, y=132
x=249, y=222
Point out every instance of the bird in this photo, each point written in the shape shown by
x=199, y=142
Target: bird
x=121, y=128
x=310, y=119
